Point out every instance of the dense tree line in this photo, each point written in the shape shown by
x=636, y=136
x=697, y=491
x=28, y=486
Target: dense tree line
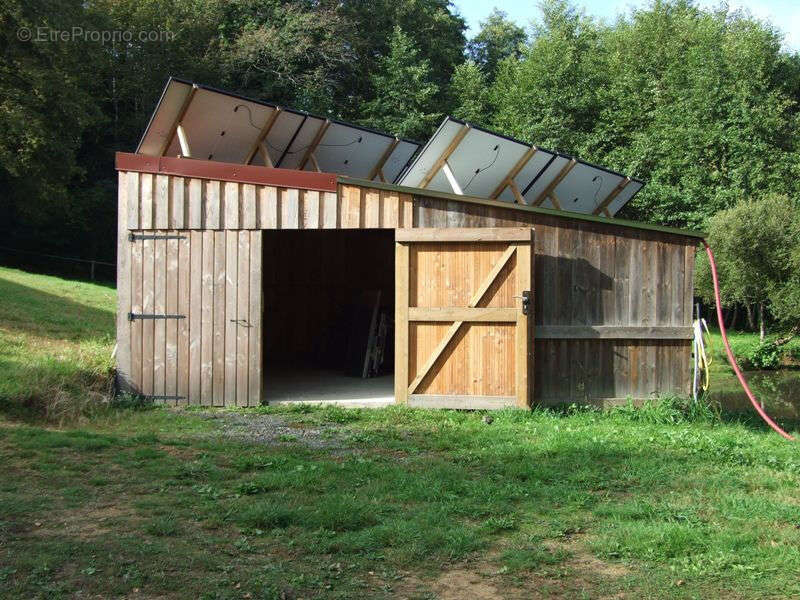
x=701, y=104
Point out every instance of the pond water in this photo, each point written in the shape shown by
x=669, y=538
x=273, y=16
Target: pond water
x=778, y=391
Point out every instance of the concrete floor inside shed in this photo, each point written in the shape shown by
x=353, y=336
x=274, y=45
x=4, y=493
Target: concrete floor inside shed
x=327, y=386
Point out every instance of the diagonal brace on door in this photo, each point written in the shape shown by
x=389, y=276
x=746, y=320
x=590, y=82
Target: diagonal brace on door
x=454, y=328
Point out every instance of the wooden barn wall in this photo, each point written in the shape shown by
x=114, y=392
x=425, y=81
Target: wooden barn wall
x=612, y=303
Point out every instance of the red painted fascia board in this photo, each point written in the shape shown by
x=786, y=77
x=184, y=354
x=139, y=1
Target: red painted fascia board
x=205, y=169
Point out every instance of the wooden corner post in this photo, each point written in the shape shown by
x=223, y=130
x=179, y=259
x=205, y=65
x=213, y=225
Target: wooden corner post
x=401, y=323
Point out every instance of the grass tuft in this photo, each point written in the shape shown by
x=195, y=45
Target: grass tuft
x=164, y=526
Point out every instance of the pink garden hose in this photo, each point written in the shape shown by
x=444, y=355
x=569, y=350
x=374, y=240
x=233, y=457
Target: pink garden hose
x=731, y=357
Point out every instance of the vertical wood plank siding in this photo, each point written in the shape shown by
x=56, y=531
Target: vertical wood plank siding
x=586, y=275
x=210, y=356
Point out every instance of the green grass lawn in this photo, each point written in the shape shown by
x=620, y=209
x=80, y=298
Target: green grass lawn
x=397, y=503
x=56, y=340
x=296, y=502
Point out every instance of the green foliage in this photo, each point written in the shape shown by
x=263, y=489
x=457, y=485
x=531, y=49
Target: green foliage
x=437, y=31
x=289, y=51
x=404, y=90
x=669, y=410
x=500, y=523
x=469, y=93
x=755, y=246
x=765, y=356
x=67, y=106
x=552, y=94
x=699, y=103
x=497, y=40
x=45, y=106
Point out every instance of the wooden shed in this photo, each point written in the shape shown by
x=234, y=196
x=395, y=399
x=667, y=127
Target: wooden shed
x=231, y=276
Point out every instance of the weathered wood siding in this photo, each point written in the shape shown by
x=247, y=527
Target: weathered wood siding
x=612, y=303
x=209, y=351
x=172, y=202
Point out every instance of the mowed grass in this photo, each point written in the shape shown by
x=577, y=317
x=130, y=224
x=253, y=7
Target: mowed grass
x=56, y=340
x=658, y=501
x=541, y=504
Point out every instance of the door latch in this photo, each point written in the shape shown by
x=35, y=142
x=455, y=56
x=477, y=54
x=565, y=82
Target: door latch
x=526, y=302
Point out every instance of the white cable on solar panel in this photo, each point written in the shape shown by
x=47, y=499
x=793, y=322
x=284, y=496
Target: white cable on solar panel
x=482, y=169
x=254, y=126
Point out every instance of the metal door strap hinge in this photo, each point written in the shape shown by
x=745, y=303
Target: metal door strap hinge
x=144, y=397
x=134, y=316
x=146, y=236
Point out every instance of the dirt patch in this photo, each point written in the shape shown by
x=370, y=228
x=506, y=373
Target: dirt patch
x=275, y=430
x=179, y=452
x=84, y=523
x=462, y=583
x=586, y=564
x=482, y=579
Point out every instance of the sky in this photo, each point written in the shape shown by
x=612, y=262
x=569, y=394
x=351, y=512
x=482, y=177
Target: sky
x=783, y=13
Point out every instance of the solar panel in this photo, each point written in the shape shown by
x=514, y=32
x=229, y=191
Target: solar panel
x=218, y=125
x=470, y=160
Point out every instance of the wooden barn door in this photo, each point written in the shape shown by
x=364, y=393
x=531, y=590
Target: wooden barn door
x=463, y=335
x=193, y=301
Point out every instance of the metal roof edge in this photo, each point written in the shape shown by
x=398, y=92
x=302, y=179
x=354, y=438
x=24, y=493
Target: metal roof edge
x=523, y=208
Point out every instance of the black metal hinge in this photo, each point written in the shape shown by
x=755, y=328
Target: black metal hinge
x=144, y=397
x=146, y=236
x=145, y=316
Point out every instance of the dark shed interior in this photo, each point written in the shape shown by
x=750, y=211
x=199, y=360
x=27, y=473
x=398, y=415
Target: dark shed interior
x=323, y=293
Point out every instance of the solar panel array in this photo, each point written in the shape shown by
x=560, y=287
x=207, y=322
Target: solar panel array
x=200, y=122
x=225, y=127
x=488, y=165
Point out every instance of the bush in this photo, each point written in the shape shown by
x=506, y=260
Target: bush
x=765, y=356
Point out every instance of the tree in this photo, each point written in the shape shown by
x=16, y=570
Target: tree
x=701, y=104
x=293, y=53
x=45, y=108
x=497, y=40
x=404, y=91
x=437, y=31
x=756, y=245
x=552, y=96
x=469, y=93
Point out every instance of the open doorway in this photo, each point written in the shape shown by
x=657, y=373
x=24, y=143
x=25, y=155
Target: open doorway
x=328, y=316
